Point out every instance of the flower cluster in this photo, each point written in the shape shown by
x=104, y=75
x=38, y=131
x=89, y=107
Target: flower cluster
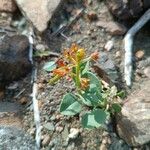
x=72, y=59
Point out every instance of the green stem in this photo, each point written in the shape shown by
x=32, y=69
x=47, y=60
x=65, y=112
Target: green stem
x=78, y=75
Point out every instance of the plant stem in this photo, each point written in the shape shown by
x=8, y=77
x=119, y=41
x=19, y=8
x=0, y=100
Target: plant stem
x=78, y=75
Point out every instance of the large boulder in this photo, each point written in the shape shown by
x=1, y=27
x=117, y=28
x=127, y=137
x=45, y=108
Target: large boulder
x=133, y=124
x=38, y=12
x=14, y=54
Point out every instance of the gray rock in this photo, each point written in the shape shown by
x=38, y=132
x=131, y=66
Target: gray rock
x=12, y=138
x=112, y=27
x=14, y=54
x=106, y=68
x=49, y=126
x=38, y=12
x=133, y=124
x=46, y=140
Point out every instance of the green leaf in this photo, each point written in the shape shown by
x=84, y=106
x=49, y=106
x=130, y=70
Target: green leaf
x=94, y=119
x=50, y=66
x=85, y=67
x=95, y=84
x=92, y=95
x=121, y=94
x=91, y=99
x=70, y=105
x=42, y=53
x=116, y=107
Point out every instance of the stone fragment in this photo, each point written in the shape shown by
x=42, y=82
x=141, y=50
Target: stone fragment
x=38, y=12
x=46, y=140
x=139, y=54
x=23, y=100
x=147, y=71
x=106, y=69
x=133, y=124
x=109, y=45
x=112, y=27
x=73, y=133
x=7, y=6
x=14, y=58
x=49, y=126
x=92, y=16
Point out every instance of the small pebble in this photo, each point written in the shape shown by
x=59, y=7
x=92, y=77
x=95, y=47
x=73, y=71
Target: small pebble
x=139, y=54
x=40, y=47
x=147, y=71
x=49, y=126
x=23, y=100
x=46, y=140
x=109, y=45
x=73, y=133
x=59, y=129
x=118, y=54
x=92, y=16
x=103, y=147
x=32, y=131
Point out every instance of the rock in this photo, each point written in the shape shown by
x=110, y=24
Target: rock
x=7, y=6
x=127, y=9
x=23, y=100
x=46, y=140
x=133, y=124
x=42, y=11
x=106, y=69
x=118, y=54
x=109, y=45
x=40, y=47
x=49, y=126
x=59, y=129
x=147, y=71
x=14, y=63
x=73, y=133
x=103, y=147
x=139, y=54
x=112, y=27
x=13, y=138
x=92, y=16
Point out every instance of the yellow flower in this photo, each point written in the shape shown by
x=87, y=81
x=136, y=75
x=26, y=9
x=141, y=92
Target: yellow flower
x=84, y=83
x=80, y=54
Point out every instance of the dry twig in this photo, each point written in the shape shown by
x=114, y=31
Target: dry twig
x=128, y=45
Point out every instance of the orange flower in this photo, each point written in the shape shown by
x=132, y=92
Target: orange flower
x=84, y=83
x=95, y=55
x=66, y=53
x=61, y=71
x=60, y=63
x=74, y=47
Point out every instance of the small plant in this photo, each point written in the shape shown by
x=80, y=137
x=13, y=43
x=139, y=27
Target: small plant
x=89, y=90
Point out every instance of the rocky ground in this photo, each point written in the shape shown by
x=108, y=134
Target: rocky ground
x=91, y=31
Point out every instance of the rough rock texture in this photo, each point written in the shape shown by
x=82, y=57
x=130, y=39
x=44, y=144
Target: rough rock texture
x=14, y=54
x=133, y=124
x=127, y=9
x=112, y=27
x=7, y=6
x=12, y=138
x=106, y=68
x=38, y=12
